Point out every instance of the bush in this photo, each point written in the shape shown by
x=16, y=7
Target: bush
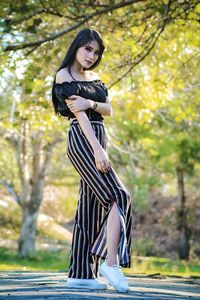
x=145, y=247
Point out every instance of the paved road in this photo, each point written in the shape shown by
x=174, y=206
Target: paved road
x=51, y=285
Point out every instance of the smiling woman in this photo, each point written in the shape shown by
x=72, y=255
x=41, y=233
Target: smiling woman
x=102, y=226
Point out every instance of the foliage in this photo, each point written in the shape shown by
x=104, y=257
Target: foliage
x=145, y=247
x=163, y=266
x=43, y=260
x=58, y=261
x=151, y=65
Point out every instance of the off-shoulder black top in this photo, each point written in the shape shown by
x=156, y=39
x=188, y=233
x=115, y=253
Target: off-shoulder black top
x=94, y=90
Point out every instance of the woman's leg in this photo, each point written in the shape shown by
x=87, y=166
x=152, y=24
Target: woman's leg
x=113, y=236
x=108, y=190
x=89, y=215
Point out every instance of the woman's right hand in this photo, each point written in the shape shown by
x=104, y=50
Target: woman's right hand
x=102, y=160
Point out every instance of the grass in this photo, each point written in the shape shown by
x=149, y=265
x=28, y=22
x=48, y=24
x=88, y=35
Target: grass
x=58, y=260
x=163, y=266
x=44, y=260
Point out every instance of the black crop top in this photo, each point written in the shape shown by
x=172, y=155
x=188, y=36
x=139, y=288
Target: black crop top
x=94, y=90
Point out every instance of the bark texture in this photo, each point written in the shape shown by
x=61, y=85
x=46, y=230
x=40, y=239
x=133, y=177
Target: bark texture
x=33, y=155
x=182, y=219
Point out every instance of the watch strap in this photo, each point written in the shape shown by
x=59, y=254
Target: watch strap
x=94, y=105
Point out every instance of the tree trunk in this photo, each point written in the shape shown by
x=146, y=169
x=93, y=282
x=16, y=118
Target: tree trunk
x=33, y=155
x=26, y=244
x=184, y=238
x=30, y=214
x=31, y=206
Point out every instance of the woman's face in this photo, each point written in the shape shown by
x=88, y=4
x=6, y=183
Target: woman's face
x=88, y=54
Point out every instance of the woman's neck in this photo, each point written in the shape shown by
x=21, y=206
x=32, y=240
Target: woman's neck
x=78, y=73
x=77, y=69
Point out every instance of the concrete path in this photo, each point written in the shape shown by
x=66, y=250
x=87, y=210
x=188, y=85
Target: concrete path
x=51, y=285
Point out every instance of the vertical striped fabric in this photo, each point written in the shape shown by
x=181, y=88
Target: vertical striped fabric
x=98, y=192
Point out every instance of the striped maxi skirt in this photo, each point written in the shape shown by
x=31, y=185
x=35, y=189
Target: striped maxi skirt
x=98, y=192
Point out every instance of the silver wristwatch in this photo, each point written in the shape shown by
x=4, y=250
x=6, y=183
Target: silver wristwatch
x=94, y=105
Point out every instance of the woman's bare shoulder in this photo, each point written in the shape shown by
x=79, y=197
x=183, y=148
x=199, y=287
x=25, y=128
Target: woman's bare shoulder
x=93, y=75
x=62, y=76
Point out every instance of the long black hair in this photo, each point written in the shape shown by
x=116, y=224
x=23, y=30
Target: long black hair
x=82, y=38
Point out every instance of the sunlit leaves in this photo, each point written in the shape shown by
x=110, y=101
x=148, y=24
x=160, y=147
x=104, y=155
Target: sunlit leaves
x=156, y=105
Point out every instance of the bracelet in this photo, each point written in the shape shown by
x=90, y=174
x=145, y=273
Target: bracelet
x=94, y=106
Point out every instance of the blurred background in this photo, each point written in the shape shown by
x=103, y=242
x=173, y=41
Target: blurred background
x=151, y=67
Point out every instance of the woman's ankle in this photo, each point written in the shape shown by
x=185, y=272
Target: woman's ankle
x=112, y=260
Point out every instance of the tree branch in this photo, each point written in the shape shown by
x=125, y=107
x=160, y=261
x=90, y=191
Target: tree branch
x=48, y=151
x=143, y=54
x=10, y=189
x=85, y=18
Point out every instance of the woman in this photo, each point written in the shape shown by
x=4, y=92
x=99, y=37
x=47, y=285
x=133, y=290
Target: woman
x=102, y=227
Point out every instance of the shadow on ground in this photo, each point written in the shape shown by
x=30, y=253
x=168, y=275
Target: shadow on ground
x=52, y=285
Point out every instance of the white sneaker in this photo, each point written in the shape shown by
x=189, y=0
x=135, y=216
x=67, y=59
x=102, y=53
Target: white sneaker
x=115, y=277
x=91, y=284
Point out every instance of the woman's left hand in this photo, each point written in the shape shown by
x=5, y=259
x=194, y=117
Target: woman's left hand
x=76, y=103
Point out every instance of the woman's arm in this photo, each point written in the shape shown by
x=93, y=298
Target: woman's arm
x=87, y=129
x=81, y=103
x=78, y=103
x=101, y=157
x=103, y=108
